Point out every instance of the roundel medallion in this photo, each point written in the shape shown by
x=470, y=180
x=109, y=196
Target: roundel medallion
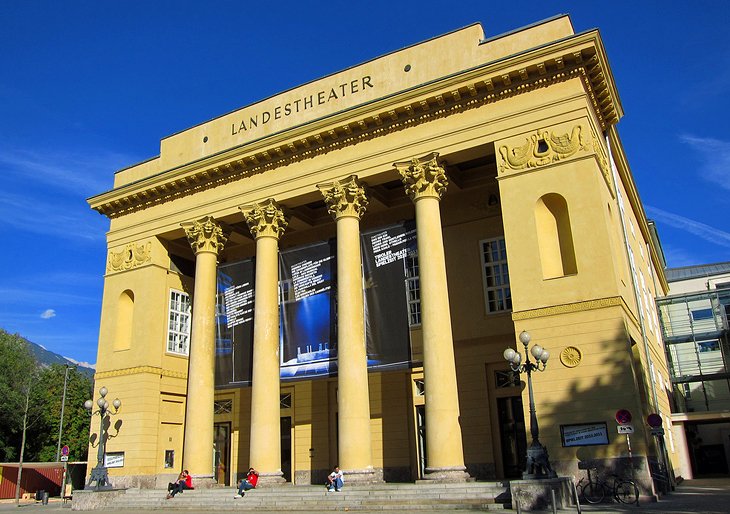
x=571, y=356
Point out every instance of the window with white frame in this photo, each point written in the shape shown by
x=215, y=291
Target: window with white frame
x=178, y=328
x=413, y=288
x=496, y=275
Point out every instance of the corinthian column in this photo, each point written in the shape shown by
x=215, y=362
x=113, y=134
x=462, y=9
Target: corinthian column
x=425, y=182
x=346, y=202
x=267, y=223
x=207, y=239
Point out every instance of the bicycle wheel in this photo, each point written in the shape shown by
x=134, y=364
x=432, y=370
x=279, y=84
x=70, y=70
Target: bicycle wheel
x=626, y=491
x=593, y=492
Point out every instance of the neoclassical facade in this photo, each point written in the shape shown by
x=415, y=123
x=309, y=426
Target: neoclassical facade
x=330, y=276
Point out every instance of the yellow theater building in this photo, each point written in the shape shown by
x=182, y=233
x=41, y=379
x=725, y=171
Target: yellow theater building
x=330, y=276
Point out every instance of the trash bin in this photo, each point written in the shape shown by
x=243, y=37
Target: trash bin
x=45, y=497
x=39, y=495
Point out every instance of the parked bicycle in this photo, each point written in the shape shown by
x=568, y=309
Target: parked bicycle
x=595, y=489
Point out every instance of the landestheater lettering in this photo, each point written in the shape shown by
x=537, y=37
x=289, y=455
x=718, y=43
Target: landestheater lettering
x=305, y=103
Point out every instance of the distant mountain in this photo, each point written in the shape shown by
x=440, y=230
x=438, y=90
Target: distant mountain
x=46, y=358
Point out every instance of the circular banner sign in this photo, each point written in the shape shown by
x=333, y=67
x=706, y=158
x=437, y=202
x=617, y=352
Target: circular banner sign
x=64, y=450
x=654, y=420
x=623, y=417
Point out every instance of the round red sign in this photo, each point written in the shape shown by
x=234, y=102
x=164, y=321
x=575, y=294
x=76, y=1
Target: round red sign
x=623, y=417
x=654, y=420
x=64, y=450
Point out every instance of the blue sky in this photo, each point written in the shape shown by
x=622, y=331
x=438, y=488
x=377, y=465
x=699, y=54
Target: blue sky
x=89, y=87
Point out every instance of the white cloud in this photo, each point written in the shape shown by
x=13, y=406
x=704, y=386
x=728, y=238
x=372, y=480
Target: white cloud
x=15, y=296
x=41, y=216
x=48, y=314
x=87, y=174
x=706, y=232
x=715, y=155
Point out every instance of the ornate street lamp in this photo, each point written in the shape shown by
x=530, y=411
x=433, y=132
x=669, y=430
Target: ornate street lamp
x=538, y=463
x=99, y=473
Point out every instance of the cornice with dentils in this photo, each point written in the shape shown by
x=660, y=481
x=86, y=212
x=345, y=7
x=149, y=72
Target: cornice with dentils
x=580, y=55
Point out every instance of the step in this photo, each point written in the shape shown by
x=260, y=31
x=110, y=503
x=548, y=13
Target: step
x=387, y=497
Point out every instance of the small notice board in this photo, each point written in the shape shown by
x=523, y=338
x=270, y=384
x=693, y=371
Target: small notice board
x=587, y=434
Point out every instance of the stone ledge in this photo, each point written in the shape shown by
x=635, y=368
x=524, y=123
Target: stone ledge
x=94, y=500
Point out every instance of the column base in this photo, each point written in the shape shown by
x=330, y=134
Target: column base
x=446, y=474
x=271, y=479
x=363, y=476
x=203, y=481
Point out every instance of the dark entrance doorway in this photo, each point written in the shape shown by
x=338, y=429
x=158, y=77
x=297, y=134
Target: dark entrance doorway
x=512, y=435
x=286, y=447
x=222, y=448
x=421, y=436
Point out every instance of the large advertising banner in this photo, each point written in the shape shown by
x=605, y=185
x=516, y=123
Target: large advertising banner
x=234, y=327
x=308, y=308
x=308, y=334
x=386, y=307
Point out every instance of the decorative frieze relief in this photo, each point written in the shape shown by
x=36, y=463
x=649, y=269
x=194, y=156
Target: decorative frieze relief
x=205, y=235
x=542, y=148
x=131, y=256
x=265, y=219
x=344, y=198
x=601, y=303
x=140, y=370
x=423, y=176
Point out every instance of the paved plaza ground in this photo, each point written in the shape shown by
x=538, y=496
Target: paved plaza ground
x=701, y=496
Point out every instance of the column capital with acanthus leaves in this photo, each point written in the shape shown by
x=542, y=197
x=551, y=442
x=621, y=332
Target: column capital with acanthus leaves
x=265, y=219
x=344, y=198
x=205, y=235
x=423, y=176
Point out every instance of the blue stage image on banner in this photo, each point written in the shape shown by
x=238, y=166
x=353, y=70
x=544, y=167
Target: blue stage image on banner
x=308, y=308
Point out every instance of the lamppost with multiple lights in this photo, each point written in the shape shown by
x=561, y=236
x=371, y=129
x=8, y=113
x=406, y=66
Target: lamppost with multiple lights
x=99, y=474
x=538, y=463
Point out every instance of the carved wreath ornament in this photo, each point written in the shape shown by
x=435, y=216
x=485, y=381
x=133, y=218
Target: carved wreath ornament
x=131, y=256
x=541, y=148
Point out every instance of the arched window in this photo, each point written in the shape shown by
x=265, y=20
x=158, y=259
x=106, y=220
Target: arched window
x=554, y=236
x=125, y=321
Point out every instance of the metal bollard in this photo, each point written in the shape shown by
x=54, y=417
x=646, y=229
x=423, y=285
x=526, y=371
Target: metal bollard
x=552, y=497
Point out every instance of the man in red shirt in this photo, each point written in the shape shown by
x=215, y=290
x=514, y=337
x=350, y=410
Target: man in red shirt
x=248, y=483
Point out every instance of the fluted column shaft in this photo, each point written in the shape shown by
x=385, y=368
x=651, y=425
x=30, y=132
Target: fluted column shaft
x=346, y=202
x=266, y=222
x=425, y=182
x=207, y=239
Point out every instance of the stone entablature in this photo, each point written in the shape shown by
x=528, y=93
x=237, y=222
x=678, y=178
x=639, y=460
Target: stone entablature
x=579, y=56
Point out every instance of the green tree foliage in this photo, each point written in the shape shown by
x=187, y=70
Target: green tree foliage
x=43, y=443
x=19, y=369
x=44, y=414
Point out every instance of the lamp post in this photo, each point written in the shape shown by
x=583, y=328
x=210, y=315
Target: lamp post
x=99, y=473
x=538, y=463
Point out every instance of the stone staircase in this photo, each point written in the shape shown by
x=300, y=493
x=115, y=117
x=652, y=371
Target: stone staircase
x=401, y=497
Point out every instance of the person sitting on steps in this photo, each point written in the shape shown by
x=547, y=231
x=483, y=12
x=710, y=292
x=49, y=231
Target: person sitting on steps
x=335, y=480
x=248, y=483
x=184, y=481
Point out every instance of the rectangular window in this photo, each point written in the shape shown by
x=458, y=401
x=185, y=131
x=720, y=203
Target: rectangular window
x=413, y=288
x=178, y=328
x=701, y=314
x=708, y=346
x=496, y=275
x=169, y=458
